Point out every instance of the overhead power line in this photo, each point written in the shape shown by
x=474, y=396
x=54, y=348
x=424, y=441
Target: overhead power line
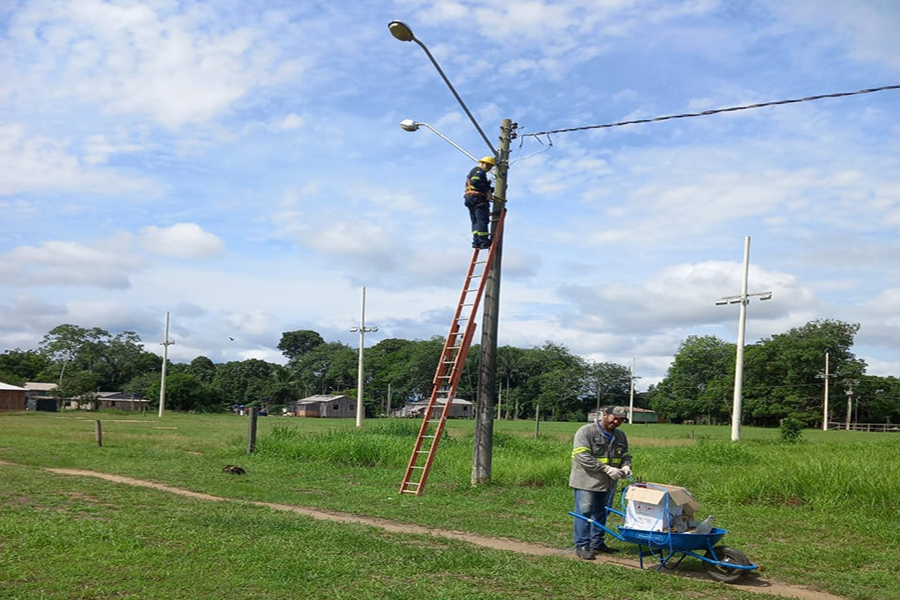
x=713, y=111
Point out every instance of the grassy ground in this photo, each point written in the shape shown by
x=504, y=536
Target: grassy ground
x=820, y=513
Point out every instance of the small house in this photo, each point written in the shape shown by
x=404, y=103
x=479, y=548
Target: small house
x=331, y=407
x=12, y=397
x=639, y=415
x=459, y=409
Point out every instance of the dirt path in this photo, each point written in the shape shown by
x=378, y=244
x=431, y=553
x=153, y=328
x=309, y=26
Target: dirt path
x=753, y=584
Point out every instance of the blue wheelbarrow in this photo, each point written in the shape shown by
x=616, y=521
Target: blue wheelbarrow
x=721, y=563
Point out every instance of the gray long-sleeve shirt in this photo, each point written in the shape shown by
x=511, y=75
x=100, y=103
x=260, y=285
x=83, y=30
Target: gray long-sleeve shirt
x=593, y=451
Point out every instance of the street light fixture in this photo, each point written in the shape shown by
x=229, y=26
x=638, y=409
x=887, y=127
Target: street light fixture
x=410, y=125
x=484, y=412
x=743, y=299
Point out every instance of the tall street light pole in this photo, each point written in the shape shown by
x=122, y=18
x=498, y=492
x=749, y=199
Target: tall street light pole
x=363, y=330
x=631, y=394
x=743, y=300
x=162, y=380
x=485, y=402
x=825, y=408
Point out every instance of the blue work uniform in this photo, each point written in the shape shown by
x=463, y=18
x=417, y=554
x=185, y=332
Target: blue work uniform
x=478, y=201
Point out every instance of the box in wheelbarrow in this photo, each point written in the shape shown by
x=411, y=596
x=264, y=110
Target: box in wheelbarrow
x=646, y=509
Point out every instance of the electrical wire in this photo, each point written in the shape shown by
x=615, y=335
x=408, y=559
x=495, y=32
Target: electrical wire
x=715, y=111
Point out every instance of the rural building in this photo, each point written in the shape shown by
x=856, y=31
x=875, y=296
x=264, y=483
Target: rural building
x=640, y=415
x=12, y=397
x=120, y=401
x=332, y=407
x=39, y=396
x=459, y=409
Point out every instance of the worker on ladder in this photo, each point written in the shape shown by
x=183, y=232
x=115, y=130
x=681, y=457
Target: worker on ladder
x=479, y=194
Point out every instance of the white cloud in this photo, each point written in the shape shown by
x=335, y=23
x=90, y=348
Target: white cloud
x=182, y=240
x=106, y=264
x=33, y=163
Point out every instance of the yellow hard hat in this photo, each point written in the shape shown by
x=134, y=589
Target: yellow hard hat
x=488, y=159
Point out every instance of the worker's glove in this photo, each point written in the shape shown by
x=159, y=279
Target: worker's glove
x=626, y=470
x=614, y=473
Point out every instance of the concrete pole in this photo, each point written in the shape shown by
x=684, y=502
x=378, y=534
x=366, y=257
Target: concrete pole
x=162, y=381
x=825, y=410
x=487, y=375
x=739, y=360
x=849, y=404
x=631, y=395
x=362, y=329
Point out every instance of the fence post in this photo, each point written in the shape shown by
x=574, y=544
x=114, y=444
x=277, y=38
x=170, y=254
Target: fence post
x=98, y=433
x=251, y=433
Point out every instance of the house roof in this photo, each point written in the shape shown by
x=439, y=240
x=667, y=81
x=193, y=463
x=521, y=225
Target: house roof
x=14, y=388
x=321, y=399
x=39, y=386
x=456, y=402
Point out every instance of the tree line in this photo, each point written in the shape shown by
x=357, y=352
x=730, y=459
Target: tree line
x=783, y=376
x=82, y=361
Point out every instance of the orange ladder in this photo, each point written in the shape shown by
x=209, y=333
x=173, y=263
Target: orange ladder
x=449, y=369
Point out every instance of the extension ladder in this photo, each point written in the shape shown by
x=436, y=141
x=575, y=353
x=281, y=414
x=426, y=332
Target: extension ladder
x=450, y=367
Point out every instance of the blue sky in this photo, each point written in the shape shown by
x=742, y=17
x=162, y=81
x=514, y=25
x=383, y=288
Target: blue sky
x=240, y=165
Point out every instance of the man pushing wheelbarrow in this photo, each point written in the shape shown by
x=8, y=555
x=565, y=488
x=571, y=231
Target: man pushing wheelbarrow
x=658, y=518
x=599, y=460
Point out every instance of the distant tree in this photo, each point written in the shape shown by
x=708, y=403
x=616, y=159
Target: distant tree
x=696, y=382
x=294, y=344
x=784, y=374
x=242, y=382
x=203, y=369
x=185, y=392
x=19, y=366
x=608, y=381
x=111, y=361
x=283, y=386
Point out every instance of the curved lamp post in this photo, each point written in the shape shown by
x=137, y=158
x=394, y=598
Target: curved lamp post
x=482, y=446
x=402, y=32
x=410, y=125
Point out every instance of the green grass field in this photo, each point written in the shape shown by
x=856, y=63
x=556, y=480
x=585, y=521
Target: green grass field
x=821, y=513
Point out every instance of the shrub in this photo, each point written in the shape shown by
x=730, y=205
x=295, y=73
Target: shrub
x=791, y=430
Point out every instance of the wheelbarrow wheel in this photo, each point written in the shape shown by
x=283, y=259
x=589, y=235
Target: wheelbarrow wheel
x=720, y=571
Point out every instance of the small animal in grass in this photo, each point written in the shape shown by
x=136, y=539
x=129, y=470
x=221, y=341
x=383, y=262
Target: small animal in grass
x=234, y=470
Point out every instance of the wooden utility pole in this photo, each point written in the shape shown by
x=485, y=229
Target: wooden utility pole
x=487, y=374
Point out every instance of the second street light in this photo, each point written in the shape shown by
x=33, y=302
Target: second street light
x=485, y=401
x=410, y=125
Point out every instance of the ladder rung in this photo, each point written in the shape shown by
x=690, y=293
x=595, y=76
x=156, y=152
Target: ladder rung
x=420, y=468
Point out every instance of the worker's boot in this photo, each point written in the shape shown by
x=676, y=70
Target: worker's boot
x=584, y=553
x=603, y=549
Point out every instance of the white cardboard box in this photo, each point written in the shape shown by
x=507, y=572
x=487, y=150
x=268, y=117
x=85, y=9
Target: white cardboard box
x=646, y=509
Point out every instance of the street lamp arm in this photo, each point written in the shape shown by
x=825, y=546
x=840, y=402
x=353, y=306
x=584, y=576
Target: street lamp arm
x=402, y=32
x=410, y=125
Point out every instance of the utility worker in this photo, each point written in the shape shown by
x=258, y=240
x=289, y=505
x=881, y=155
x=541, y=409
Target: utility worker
x=479, y=194
x=600, y=458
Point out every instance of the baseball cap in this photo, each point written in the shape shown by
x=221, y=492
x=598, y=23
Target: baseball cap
x=620, y=412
